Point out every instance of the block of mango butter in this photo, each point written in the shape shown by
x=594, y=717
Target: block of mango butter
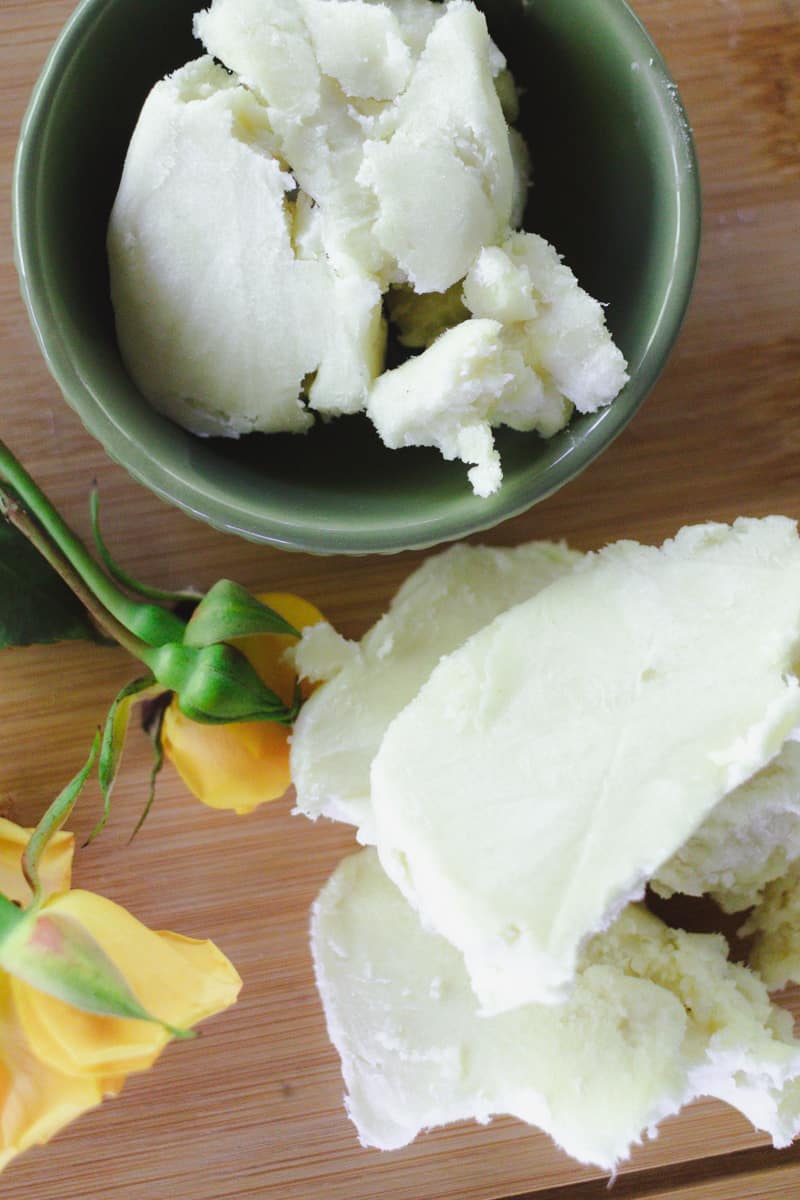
x=449, y=597
x=657, y=1017
x=551, y=765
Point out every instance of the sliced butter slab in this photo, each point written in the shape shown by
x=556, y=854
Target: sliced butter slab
x=448, y=598
x=549, y=767
x=657, y=1017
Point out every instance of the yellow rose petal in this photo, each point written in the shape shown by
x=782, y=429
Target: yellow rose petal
x=178, y=980
x=233, y=767
x=55, y=866
x=35, y=1100
x=214, y=981
x=265, y=651
x=242, y=765
x=85, y=1044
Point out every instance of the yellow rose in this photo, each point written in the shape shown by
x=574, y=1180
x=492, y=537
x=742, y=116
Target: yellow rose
x=242, y=765
x=56, y=1060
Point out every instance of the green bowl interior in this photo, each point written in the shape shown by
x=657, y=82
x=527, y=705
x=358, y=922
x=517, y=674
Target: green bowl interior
x=615, y=189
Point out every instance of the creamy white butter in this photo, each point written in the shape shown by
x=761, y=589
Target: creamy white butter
x=199, y=330
x=557, y=327
x=448, y=154
x=550, y=766
x=447, y=599
x=537, y=345
x=657, y=1017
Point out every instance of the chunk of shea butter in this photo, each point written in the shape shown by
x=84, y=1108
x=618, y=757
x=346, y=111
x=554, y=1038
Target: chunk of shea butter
x=536, y=347
x=559, y=328
x=450, y=149
x=359, y=45
x=448, y=598
x=219, y=322
x=452, y=394
x=318, y=128
x=657, y=1017
x=551, y=765
x=386, y=89
x=267, y=43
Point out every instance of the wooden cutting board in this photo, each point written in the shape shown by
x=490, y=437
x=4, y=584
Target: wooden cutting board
x=253, y=1109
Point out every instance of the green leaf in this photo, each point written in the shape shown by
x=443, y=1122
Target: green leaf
x=36, y=606
x=55, y=954
x=229, y=611
x=113, y=742
x=53, y=819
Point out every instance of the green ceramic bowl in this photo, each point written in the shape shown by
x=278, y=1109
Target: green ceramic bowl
x=616, y=190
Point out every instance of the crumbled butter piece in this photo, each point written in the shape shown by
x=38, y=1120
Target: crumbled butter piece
x=452, y=394
x=359, y=45
x=267, y=43
x=657, y=1017
x=321, y=653
x=448, y=397
x=499, y=288
x=536, y=346
x=382, y=110
x=550, y=766
x=560, y=330
x=774, y=925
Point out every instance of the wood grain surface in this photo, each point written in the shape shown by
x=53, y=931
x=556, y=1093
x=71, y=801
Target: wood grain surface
x=253, y=1109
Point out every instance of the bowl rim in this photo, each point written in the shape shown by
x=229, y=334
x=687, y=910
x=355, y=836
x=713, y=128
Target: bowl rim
x=204, y=500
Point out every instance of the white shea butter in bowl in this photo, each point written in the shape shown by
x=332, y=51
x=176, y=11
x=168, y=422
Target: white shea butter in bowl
x=271, y=207
x=312, y=234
